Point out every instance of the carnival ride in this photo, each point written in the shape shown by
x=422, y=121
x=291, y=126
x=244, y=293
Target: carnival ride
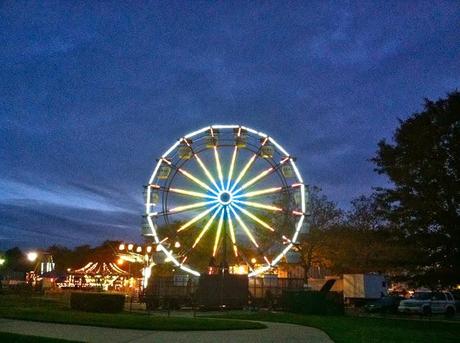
x=227, y=192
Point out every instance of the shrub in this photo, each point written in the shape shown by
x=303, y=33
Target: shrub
x=311, y=302
x=97, y=302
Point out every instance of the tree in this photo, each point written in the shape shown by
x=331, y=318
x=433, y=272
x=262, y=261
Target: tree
x=366, y=241
x=325, y=215
x=423, y=163
x=15, y=260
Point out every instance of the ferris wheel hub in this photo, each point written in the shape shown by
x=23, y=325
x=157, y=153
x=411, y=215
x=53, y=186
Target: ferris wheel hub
x=225, y=198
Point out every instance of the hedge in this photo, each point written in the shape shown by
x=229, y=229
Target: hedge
x=311, y=302
x=97, y=302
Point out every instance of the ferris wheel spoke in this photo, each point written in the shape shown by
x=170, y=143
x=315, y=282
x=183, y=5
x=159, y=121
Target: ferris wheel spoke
x=244, y=226
x=248, y=165
x=202, y=165
x=232, y=231
x=191, y=177
x=259, y=192
x=219, y=229
x=219, y=167
x=254, y=217
x=255, y=179
x=206, y=227
x=191, y=206
x=259, y=205
x=261, y=175
x=197, y=181
x=232, y=167
x=243, y=171
x=191, y=193
x=197, y=218
x=206, y=171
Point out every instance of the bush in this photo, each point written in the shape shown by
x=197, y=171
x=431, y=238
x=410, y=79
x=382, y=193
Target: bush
x=97, y=302
x=311, y=302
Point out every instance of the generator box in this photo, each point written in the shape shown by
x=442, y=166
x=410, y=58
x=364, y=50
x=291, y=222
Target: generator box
x=222, y=291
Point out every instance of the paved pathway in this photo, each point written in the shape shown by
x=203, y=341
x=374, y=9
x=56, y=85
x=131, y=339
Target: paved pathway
x=275, y=332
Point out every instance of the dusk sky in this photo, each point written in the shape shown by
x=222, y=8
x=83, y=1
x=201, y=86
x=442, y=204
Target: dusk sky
x=91, y=93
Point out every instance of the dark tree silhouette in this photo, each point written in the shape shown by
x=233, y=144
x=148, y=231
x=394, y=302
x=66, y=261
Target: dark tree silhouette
x=423, y=164
x=313, y=245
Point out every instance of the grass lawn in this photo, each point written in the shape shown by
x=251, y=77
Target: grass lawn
x=38, y=309
x=13, y=337
x=358, y=329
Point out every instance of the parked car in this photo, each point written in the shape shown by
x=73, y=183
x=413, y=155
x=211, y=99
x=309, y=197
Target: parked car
x=456, y=295
x=429, y=302
x=385, y=305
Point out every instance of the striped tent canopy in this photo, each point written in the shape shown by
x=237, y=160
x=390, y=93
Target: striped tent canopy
x=101, y=268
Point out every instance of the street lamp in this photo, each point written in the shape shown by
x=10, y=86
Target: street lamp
x=2, y=261
x=32, y=256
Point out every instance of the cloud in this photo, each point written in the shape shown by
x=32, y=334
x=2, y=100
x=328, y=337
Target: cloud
x=92, y=94
x=38, y=223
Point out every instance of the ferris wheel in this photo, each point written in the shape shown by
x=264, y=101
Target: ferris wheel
x=228, y=193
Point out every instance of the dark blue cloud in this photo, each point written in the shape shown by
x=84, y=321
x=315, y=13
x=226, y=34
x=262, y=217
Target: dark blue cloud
x=92, y=93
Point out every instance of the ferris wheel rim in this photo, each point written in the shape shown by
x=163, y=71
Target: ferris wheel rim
x=190, y=135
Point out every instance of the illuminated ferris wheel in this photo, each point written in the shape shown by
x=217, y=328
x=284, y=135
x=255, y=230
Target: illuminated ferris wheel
x=228, y=193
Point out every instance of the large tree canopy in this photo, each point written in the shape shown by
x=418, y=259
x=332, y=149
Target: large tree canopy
x=423, y=164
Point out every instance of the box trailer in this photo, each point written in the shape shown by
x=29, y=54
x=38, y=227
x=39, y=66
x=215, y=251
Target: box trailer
x=364, y=286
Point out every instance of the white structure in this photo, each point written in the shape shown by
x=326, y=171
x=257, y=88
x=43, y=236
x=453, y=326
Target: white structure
x=364, y=286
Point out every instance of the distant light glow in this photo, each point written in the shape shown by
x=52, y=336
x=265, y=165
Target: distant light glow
x=32, y=256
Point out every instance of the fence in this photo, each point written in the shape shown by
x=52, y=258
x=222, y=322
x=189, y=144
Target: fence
x=261, y=287
x=181, y=290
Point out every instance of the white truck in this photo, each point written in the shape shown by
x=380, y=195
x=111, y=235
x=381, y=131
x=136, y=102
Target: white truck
x=361, y=287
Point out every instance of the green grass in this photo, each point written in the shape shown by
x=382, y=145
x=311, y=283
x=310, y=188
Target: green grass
x=48, y=310
x=347, y=329
x=15, y=338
